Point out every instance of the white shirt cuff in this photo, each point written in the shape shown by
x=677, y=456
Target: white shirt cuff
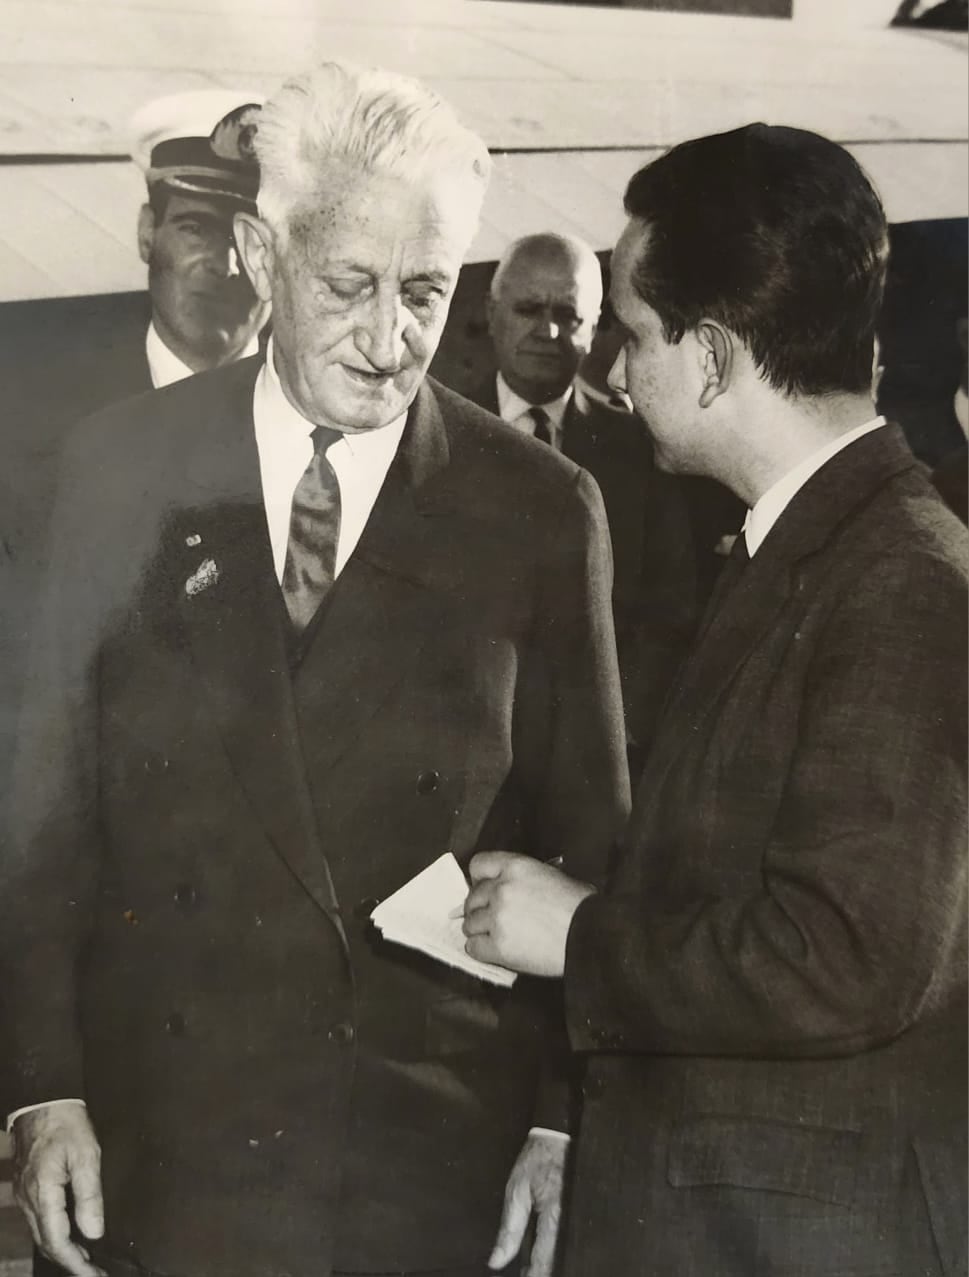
x=547, y=1130
x=32, y=1108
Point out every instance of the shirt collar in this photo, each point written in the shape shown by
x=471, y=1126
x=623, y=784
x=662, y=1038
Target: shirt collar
x=772, y=504
x=512, y=406
x=271, y=405
x=165, y=367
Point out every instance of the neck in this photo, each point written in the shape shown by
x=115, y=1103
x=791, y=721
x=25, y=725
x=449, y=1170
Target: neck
x=201, y=361
x=773, y=442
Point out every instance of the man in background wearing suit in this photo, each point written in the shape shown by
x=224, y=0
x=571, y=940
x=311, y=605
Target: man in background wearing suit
x=543, y=309
x=771, y=998
x=312, y=621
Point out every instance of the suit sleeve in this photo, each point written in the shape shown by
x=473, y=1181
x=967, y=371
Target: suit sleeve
x=574, y=747
x=855, y=925
x=573, y=744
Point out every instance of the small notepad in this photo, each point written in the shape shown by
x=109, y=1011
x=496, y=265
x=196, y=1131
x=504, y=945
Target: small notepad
x=417, y=916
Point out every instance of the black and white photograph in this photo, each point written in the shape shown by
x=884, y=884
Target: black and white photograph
x=484, y=636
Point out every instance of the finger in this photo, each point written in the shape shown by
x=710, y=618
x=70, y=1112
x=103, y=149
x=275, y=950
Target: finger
x=483, y=948
x=515, y=1215
x=488, y=864
x=479, y=897
x=477, y=923
x=543, y=1249
x=88, y=1202
x=54, y=1228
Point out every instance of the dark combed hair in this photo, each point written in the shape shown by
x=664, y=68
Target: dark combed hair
x=776, y=234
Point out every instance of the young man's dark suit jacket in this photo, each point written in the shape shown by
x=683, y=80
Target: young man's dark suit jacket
x=772, y=998
x=275, y=1088
x=656, y=586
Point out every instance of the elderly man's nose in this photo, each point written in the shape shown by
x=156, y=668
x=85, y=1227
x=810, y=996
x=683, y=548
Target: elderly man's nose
x=384, y=334
x=617, y=374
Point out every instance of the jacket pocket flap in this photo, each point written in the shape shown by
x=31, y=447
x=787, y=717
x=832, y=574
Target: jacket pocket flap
x=806, y=1161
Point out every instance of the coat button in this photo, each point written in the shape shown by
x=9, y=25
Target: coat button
x=341, y=1033
x=185, y=895
x=427, y=782
x=365, y=908
x=155, y=764
x=175, y=1024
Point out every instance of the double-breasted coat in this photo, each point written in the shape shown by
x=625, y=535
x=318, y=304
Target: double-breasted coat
x=205, y=814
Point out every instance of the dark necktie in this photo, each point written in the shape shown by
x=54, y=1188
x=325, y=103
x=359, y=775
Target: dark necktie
x=542, y=424
x=314, y=528
x=730, y=575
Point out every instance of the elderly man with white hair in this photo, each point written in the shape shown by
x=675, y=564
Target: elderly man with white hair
x=313, y=620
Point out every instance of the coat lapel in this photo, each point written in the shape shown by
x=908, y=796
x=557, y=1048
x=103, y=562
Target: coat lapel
x=232, y=612
x=391, y=597
x=774, y=576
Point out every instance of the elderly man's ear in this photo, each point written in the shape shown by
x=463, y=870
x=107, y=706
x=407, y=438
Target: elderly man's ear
x=256, y=247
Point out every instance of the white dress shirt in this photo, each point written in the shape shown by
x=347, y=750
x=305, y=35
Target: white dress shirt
x=516, y=411
x=762, y=517
x=360, y=463
x=165, y=367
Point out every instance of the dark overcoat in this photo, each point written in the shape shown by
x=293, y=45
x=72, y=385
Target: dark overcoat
x=204, y=819
x=772, y=1000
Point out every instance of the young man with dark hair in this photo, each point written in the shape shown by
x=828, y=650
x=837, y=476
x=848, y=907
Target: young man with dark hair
x=771, y=998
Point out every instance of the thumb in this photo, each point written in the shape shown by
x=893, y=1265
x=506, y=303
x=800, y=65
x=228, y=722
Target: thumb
x=88, y=1202
x=515, y=1215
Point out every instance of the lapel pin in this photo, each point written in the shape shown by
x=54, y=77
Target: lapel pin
x=207, y=574
x=193, y=539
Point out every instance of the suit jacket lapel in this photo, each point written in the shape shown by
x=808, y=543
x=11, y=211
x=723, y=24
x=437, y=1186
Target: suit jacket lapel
x=232, y=611
x=390, y=598
x=771, y=579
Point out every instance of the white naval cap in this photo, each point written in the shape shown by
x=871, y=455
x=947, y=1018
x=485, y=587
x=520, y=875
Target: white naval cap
x=200, y=142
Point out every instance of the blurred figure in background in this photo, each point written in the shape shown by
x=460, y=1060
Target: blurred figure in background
x=543, y=312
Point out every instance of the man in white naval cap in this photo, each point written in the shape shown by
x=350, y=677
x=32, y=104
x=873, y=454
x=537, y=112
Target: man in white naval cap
x=196, y=152
x=61, y=359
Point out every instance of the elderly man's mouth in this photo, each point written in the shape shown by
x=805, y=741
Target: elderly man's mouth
x=368, y=378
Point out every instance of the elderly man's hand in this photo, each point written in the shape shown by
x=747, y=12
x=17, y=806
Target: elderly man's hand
x=54, y=1147
x=534, y=1187
x=518, y=912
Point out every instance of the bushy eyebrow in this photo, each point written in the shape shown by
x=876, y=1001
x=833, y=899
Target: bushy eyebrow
x=441, y=278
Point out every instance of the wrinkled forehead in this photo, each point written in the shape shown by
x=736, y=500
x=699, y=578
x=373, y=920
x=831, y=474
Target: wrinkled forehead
x=370, y=213
x=551, y=276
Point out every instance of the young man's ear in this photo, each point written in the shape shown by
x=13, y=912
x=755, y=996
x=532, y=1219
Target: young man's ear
x=146, y=232
x=255, y=244
x=716, y=357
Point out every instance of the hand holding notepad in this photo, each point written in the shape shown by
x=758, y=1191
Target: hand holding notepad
x=419, y=917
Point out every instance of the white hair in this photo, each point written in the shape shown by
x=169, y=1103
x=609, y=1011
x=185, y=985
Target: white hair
x=551, y=246
x=365, y=120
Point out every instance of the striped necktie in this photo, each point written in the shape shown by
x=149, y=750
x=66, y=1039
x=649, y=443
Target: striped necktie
x=314, y=529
